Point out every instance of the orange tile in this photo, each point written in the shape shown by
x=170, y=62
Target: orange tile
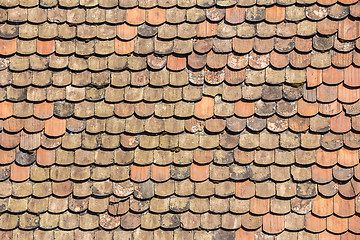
x=62, y=189
x=259, y=206
x=45, y=157
x=322, y=207
x=19, y=173
x=203, y=156
x=340, y=123
x=303, y=44
x=352, y=76
x=199, y=172
x=124, y=47
x=333, y=76
x=336, y=224
x=350, y=236
x=348, y=157
x=273, y=224
x=275, y=14
x=320, y=174
x=204, y=108
x=176, y=63
x=155, y=16
x=235, y=15
x=244, y=109
x=206, y=29
x=13, y=124
x=216, y=61
x=160, y=173
x=348, y=95
x=33, y=125
x=354, y=224
x=9, y=140
x=298, y=123
x=314, y=77
x=328, y=236
x=341, y=60
x=6, y=156
x=245, y=189
x=7, y=47
x=326, y=93
x=278, y=60
x=55, y=127
x=356, y=56
x=348, y=29
x=29, y=141
x=140, y=173
x=343, y=207
x=43, y=110
x=243, y=45
x=349, y=189
x=327, y=26
x=6, y=109
x=314, y=223
x=242, y=234
x=129, y=141
x=126, y=32
x=135, y=16
x=45, y=47
x=307, y=109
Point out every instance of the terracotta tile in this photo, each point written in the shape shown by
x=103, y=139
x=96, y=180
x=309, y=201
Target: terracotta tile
x=343, y=207
x=126, y=32
x=176, y=63
x=45, y=47
x=259, y=206
x=241, y=45
x=6, y=109
x=340, y=123
x=307, y=109
x=245, y=189
x=7, y=156
x=55, y=127
x=244, y=234
x=203, y=157
x=258, y=61
x=347, y=157
x=333, y=76
x=155, y=16
x=244, y=109
x=278, y=60
x=19, y=173
x=275, y=14
x=349, y=189
x=348, y=29
x=9, y=140
x=263, y=45
x=314, y=77
x=327, y=26
x=273, y=224
x=43, y=110
x=204, y=108
x=196, y=61
x=336, y=225
x=299, y=60
x=341, y=59
x=298, y=123
x=199, y=172
x=62, y=189
x=160, y=173
x=235, y=15
x=320, y=174
x=190, y=220
x=7, y=47
x=13, y=124
x=326, y=93
x=124, y=109
x=206, y=29
x=354, y=224
x=124, y=47
x=326, y=158
x=135, y=16
x=216, y=61
x=327, y=235
x=314, y=223
x=29, y=141
x=322, y=207
x=251, y=222
x=351, y=76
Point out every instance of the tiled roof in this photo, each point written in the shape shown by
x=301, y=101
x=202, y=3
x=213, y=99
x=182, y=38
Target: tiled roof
x=180, y=119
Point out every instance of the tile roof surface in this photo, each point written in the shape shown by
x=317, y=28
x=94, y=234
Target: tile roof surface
x=180, y=119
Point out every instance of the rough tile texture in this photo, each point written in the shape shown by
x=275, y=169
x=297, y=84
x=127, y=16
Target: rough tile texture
x=179, y=119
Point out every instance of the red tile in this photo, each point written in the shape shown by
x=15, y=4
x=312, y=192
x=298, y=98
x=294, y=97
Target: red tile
x=135, y=16
x=9, y=140
x=314, y=77
x=348, y=157
x=124, y=47
x=19, y=173
x=243, y=45
x=6, y=109
x=7, y=47
x=348, y=29
x=160, y=173
x=155, y=16
x=13, y=124
x=6, y=156
x=243, y=234
x=303, y=44
x=129, y=141
x=126, y=32
x=279, y=60
x=307, y=109
x=273, y=224
x=199, y=172
x=235, y=15
x=45, y=47
x=33, y=125
x=206, y=29
x=204, y=108
x=352, y=76
x=176, y=63
x=328, y=236
x=320, y=174
x=298, y=123
x=140, y=173
x=43, y=110
x=348, y=95
x=245, y=189
x=327, y=26
x=326, y=93
x=55, y=127
x=326, y=158
x=45, y=157
x=314, y=224
x=336, y=224
x=29, y=141
x=275, y=14
x=62, y=189
x=340, y=123
x=354, y=224
x=341, y=60
x=216, y=61
x=343, y=207
x=244, y=109
x=203, y=156
x=333, y=76
x=322, y=207
x=259, y=206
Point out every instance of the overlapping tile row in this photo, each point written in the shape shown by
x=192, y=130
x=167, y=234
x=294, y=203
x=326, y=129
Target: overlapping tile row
x=187, y=119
